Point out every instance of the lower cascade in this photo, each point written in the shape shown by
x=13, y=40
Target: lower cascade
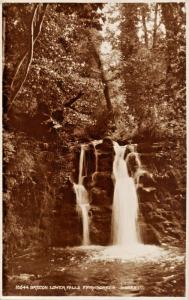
x=82, y=199
x=125, y=203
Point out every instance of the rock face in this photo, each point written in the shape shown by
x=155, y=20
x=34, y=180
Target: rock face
x=160, y=195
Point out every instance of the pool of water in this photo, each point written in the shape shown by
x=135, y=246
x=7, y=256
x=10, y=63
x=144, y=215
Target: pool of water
x=98, y=271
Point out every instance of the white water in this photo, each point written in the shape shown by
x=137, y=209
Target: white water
x=95, y=143
x=125, y=203
x=137, y=253
x=82, y=198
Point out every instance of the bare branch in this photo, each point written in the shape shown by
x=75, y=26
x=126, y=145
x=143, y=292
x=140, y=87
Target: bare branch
x=35, y=30
x=144, y=26
x=155, y=26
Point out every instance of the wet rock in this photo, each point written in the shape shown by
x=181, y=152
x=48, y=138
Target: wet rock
x=166, y=206
x=175, y=233
x=146, y=179
x=160, y=227
x=100, y=226
x=64, y=149
x=99, y=197
x=132, y=164
x=68, y=231
x=167, y=214
x=149, y=234
x=175, y=204
x=66, y=194
x=122, y=142
x=155, y=218
x=106, y=146
x=75, y=161
x=103, y=180
x=127, y=152
x=90, y=163
x=146, y=195
x=105, y=162
x=146, y=207
x=179, y=215
x=87, y=182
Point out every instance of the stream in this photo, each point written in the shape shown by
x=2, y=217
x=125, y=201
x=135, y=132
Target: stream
x=98, y=271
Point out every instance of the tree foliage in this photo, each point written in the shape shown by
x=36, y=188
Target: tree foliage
x=154, y=66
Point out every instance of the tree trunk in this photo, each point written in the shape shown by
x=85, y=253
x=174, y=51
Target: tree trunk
x=26, y=60
x=37, y=31
x=155, y=26
x=97, y=58
x=172, y=15
x=145, y=27
x=3, y=40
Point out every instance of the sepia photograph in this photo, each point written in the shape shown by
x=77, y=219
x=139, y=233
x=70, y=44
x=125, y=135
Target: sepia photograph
x=94, y=149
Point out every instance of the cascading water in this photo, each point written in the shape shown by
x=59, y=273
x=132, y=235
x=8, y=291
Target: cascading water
x=125, y=203
x=82, y=198
x=125, y=231
x=95, y=143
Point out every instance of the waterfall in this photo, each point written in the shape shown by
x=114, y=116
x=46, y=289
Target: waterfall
x=95, y=143
x=82, y=198
x=125, y=203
